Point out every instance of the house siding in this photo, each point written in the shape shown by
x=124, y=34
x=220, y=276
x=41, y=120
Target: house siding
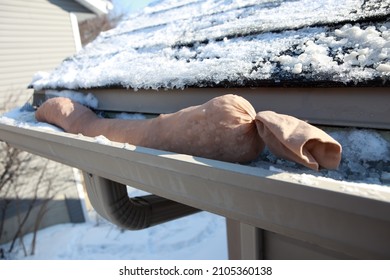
x=34, y=36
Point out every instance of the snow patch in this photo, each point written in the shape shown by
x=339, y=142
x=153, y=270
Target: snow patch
x=199, y=236
x=25, y=119
x=39, y=75
x=365, y=159
x=102, y=140
x=88, y=99
x=128, y=116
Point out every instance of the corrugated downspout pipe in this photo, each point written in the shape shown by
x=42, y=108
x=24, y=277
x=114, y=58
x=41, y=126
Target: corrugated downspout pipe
x=110, y=199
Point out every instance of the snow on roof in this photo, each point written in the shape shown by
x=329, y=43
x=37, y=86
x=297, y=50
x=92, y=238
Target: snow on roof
x=187, y=43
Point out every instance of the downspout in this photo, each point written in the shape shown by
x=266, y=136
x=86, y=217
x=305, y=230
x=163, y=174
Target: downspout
x=110, y=199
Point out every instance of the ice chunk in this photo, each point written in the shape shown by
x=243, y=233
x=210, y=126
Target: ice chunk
x=383, y=68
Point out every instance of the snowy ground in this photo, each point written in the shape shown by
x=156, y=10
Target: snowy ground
x=201, y=236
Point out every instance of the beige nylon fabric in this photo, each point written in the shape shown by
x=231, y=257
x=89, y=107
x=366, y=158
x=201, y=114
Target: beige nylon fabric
x=225, y=128
x=296, y=140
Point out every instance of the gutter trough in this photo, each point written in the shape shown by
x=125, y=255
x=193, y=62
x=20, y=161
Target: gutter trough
x=270, y=214
x=324, y=213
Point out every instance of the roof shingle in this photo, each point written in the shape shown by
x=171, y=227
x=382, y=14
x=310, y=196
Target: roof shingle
x=215, y=43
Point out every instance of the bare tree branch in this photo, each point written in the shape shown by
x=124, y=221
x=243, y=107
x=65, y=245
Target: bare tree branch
x=19, y=232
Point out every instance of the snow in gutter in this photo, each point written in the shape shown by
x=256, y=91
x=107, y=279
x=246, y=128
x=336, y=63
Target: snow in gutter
x=365, y=158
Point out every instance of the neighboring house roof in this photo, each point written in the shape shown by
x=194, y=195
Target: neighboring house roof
x=179, y=44
x=99, y=7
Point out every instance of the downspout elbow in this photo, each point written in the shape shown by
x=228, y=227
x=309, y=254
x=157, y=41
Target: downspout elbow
x=110, y=199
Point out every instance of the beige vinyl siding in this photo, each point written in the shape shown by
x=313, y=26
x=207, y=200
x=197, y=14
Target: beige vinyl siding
x=36, y=6
x=35, y=36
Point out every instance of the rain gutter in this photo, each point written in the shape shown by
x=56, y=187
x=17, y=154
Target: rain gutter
x=337, y=216
x=264, y=208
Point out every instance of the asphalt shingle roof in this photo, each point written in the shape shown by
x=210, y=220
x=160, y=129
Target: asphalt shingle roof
x=219, y=43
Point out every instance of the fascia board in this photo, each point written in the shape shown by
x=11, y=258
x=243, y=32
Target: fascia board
x=343, y=106
x=332, y=214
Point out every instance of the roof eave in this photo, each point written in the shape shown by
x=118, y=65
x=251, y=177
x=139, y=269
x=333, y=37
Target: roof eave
x=99, y=7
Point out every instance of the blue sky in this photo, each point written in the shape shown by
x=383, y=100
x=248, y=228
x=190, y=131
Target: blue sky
x=138, y=4
x=129, y=5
